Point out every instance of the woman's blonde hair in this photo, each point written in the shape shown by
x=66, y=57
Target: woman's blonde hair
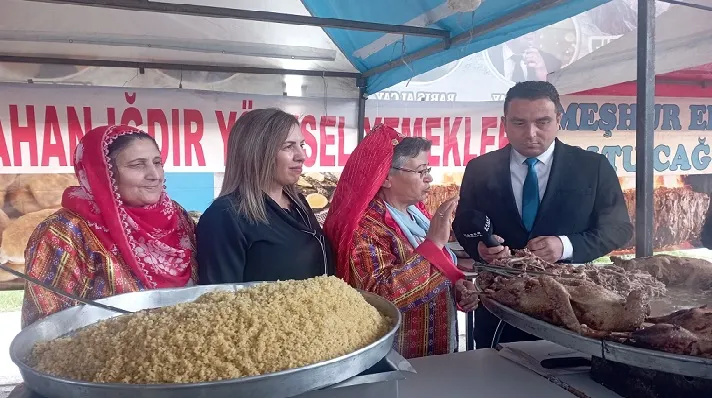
x=252, y=149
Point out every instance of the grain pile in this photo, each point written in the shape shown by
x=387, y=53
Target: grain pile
x=221, y=335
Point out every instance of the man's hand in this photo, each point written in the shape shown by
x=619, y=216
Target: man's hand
x=489, y=254
x=548, y=248
x=533, y=59
x=466, y=295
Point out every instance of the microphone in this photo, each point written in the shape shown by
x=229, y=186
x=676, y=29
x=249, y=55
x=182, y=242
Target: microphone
x=473, y=224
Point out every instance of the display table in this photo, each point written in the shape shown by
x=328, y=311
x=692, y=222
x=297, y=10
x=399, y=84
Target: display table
x=484, y=373
x=480, y=373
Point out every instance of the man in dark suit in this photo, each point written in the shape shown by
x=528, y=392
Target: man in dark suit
x=561, y=202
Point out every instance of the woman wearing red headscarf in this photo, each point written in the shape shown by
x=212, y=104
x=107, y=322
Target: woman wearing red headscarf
x=116, y=232
x=387, y=243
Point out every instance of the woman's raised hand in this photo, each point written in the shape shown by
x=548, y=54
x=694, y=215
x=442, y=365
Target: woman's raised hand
x=439, y=232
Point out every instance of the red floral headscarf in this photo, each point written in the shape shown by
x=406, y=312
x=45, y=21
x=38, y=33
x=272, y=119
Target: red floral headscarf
x=153, y=240
x=360, y=181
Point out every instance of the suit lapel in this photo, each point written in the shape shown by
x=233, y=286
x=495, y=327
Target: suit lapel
x=555, y=181
x=503, y=181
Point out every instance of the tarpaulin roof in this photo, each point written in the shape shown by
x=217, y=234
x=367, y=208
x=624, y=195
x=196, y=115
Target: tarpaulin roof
x=369, y=51
x=683, y=52
x=355, y=41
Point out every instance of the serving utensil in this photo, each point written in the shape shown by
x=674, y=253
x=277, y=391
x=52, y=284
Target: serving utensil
x=61, y=292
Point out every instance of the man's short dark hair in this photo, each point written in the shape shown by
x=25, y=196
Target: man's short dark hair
x=533, y=90
x=409, y=148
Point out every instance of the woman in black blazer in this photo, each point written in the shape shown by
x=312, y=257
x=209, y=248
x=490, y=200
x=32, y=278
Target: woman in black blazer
x=260, y=228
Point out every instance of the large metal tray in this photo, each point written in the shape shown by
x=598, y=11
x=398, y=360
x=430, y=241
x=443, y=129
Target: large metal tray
x=684, y=365
x=282, y=384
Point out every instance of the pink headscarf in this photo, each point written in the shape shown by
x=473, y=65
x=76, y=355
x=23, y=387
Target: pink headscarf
x=153, y=240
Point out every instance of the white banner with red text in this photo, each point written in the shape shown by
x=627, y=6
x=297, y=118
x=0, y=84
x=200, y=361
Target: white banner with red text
x=41, y=126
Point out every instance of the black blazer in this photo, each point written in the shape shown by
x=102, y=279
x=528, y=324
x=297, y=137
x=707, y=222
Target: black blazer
x=583, y=200
x=232, y=249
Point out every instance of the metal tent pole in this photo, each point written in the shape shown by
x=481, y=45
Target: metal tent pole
x=108, y=63
x=198, y=10
x=470, y=331
x=645, y=129
x=688, y=4
x=361, y=115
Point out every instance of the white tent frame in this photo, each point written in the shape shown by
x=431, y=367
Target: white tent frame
x=445, y=42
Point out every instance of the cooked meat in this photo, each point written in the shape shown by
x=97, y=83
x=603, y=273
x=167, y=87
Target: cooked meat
x=671, y=270
x=542, y=298
x=572, y=302
x=486, y=280
x=603, y=310
x=696, y=320
x=686, y=332
x=618, y=280
x=604, y=299
x=678, y=215
x=672, y=338
x=527, y=261
x=609, y=302
x=611, y=277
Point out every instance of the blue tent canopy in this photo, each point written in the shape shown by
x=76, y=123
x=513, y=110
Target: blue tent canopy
x=378, y=42
x=494, y=22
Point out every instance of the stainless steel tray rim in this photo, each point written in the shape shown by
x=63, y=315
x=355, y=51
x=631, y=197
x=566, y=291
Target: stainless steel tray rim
x=245, y=379
x=24, y=368
x=607, y=346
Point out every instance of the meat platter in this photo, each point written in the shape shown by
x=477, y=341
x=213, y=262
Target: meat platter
x=607, y=310
x=281, y=384
x=644, y=358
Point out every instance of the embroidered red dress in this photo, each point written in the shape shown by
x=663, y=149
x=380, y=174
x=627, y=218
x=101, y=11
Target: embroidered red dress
x=64, y=252
x=385, y=263
x=96, y=246
x=374, y=255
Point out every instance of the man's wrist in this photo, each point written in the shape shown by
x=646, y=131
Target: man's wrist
x=567, y=251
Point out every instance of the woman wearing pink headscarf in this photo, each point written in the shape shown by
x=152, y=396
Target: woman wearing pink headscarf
x=116, y=232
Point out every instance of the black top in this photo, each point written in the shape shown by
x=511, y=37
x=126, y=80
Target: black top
x=231, y=249
x=583, y=200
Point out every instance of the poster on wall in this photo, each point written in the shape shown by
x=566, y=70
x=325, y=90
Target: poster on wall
x=40, y=127
x=487, y=75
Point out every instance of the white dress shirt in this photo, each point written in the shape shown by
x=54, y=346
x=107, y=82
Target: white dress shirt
x=510, y=64
x=518, y=171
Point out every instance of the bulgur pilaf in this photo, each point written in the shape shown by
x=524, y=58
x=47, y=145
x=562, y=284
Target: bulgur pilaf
x=221, y=335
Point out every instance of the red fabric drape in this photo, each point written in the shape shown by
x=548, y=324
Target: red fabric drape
x=360, y=181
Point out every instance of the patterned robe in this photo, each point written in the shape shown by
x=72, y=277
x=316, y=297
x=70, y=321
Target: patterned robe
x=64, y=252
x=385, y=263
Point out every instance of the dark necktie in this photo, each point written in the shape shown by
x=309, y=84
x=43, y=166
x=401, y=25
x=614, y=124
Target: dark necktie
x=518, y=72
x=530, y=194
